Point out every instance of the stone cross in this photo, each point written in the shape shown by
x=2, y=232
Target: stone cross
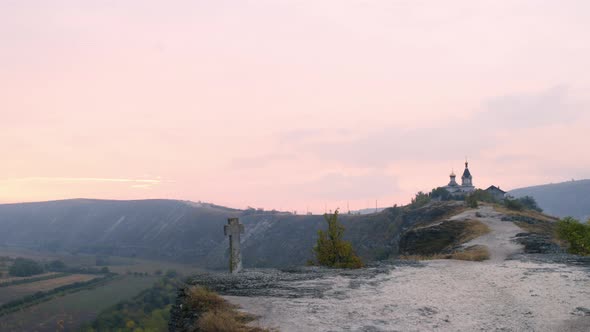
x=233, y=229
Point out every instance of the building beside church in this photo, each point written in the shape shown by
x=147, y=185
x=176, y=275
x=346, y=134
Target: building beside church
x=466, y=186
x=496, y=193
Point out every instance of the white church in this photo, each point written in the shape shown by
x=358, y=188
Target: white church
x=466, y=186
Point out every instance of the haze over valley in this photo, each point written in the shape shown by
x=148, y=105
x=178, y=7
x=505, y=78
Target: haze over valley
x=294, y=166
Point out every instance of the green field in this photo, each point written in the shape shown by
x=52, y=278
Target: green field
x=74, y=309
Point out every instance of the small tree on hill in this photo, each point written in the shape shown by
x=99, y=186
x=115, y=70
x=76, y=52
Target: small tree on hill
x=420, y=200
x=331, y=250
x=576, y=234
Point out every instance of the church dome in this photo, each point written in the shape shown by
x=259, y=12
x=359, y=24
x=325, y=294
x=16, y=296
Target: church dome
x=466, y=173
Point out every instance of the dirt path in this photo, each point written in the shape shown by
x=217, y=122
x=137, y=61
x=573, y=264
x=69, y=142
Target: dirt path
x=499, y=240
x=445, y=295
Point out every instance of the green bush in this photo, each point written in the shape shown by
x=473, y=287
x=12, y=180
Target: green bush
x=331, y=250
x=576, y=234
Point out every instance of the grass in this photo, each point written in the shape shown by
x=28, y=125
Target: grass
x=477, y=253
x=473, y=230
x=545, y=225
x=216, y=314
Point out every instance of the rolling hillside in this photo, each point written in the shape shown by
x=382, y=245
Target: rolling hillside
x=191, y=232
x=570, y=198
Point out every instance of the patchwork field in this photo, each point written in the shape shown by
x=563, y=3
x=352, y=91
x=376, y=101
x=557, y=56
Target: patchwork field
x=74, y=309
x=71, y=310
x=6, y=278
x=10, y=293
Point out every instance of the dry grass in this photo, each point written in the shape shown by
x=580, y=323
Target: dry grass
x=218, y=315
x=546, y=226
x=525, y=213
x=475, y=253
x=473, y=230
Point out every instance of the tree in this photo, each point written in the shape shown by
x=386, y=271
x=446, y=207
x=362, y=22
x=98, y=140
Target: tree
x=56, y=265
x=420, y=200
x=23, y=267
x=441, y=193
x=331, y=250
x=482, y=196
x=471, y=201
x=519, y=204
x=513, y=204
x=171, y=274
x=530, y=203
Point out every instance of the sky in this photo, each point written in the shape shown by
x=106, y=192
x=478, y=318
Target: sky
x=291, y=105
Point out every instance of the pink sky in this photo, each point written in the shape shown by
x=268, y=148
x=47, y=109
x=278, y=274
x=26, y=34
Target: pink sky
x=290, y=105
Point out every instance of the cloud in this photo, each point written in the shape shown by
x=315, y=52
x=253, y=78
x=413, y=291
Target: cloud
x=339, y=186
x=259, y=161
x=450, y=139
x=548, y=107
x=83, y=179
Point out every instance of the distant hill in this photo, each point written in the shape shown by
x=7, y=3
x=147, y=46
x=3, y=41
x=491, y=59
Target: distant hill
x=570, y=198
x=191, y=232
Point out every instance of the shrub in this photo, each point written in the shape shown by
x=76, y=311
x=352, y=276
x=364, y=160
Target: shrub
x=471, y=201
x=576, y=234
x=331, y=250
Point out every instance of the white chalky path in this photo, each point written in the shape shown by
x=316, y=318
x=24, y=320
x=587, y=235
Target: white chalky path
x=445, y=295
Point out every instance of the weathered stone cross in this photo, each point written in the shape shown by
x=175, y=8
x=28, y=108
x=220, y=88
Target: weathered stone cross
x=233, y=229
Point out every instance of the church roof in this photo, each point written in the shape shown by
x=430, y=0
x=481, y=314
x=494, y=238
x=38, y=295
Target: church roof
x=466, y=173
